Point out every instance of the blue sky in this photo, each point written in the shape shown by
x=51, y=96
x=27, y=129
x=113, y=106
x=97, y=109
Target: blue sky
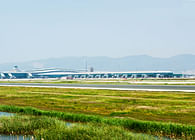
x=38, y=29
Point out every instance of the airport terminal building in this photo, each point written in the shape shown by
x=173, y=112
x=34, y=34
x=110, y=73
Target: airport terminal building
x=70, y=74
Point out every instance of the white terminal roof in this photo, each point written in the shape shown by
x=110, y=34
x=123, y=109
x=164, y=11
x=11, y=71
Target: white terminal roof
x=50, y=70
x=133, y=72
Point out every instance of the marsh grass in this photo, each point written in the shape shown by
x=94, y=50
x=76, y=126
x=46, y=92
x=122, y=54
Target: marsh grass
x=154, y=128
x=48, y=128
x=25, y=125
x=90, y=131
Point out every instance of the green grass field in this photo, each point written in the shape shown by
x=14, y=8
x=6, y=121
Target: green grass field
x=155, y=106
x=137, y=106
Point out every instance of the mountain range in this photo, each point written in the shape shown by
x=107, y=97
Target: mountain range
x=179, y=63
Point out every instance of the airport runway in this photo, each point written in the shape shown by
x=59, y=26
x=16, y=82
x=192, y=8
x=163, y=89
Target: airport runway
x=183, y=88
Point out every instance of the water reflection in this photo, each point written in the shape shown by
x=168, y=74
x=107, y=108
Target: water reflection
x=69, y=124
x=13, y=137
x=6, y=114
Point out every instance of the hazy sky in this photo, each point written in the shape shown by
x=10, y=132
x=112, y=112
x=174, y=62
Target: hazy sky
x=36, y=29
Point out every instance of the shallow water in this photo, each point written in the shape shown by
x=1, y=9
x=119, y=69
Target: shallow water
x=13, y=137
x=69, y=124
x=152, y=137
x=6, y=114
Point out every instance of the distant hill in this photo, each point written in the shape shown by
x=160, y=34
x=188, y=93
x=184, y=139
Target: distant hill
x=179, y=63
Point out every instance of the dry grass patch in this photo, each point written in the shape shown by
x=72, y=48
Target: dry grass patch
x=147, y=107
